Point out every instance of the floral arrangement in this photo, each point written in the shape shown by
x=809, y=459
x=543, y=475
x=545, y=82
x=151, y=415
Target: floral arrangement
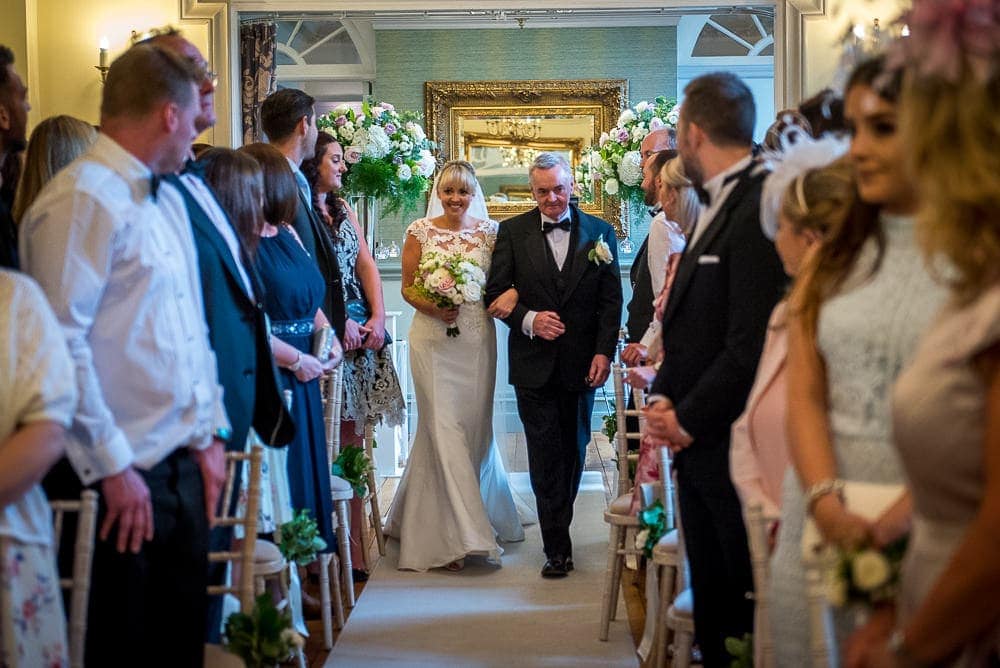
x=449, y=281
x=610, y=426
x=616, y=158
x=300, y=539
x=652, y=526
x=866, y=576
x=263, y=638
x=389, y=155
x=353, y=465
x=741, y=650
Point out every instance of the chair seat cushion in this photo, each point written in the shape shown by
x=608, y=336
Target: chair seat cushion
x=621, y=505
x=266, y=557
x=684, y=604
x=340, y=487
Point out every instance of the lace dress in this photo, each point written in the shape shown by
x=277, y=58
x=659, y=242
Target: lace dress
x=865, y=336
x=371, y=387
x=454, y=499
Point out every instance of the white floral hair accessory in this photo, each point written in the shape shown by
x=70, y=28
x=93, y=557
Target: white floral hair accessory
x=799, y=153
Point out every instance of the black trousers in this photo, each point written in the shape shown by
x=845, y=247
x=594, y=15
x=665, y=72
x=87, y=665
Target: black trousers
x=557, y=431
x=150, y=607
x=717, y=551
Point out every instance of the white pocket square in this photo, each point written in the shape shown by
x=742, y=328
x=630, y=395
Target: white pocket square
x=708, y=259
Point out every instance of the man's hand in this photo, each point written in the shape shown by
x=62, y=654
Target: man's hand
x=127, y=498
x=548, y=326
x=212, y=462
x=662, y=425
x=640, y=377
x=634, y=354
x=600, y=367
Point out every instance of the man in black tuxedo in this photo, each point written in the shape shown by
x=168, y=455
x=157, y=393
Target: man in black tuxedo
x=288, y=117
x=237, y=328
x=564, y=265
x=728, y=280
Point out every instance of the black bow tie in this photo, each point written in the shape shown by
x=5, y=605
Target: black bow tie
x=706, y=199
x=563, y=224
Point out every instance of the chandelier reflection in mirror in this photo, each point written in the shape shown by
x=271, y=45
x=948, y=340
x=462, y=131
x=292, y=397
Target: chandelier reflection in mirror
x=515, y=128
x=518, y=156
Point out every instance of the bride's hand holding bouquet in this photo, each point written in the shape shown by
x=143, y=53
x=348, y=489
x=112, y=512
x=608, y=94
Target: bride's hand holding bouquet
x=447, y=282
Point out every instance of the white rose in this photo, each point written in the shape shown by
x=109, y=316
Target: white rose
x=629, y=170
x=438, y=277
x=455, y=296
x=641, y=538
x=603, y=252
x=472, y=292
x=415, y=130
x=403, y=172
x=346, y=133
x=377, y=111
x=655, y=123
x=604, y=139
x=426, y=163
x=611, y=186
x=674, y=116
x=405, y=146
x=626, y=117
x=639, y=133
x=870, y=570
x=641, y=107
x=341, y=110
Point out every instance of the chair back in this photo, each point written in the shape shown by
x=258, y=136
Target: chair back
x=243, y=590
x=332, y=408
x=622, y=436
x=757, y=524
x=83, y=554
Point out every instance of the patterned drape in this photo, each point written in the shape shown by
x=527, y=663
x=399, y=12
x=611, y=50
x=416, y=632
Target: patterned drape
x=257, y=62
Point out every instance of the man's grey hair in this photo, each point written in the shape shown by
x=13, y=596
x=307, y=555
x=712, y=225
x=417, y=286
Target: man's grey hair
x=548, y=161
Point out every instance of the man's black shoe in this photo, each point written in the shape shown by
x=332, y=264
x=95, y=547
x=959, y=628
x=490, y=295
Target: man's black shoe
x=569, y=564
x=554, y=568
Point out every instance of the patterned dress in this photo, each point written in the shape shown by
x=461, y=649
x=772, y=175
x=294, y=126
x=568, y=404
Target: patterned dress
x=371, y=387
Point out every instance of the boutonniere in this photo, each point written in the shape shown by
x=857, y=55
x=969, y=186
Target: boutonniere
x=600, y=253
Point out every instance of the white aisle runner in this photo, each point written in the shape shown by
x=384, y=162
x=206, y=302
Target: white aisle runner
x=487, y=616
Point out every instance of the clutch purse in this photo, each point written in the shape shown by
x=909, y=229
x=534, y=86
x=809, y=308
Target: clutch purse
x=357, y=310
x=323, y=343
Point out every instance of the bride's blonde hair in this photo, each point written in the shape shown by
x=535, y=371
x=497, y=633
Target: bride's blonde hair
x=458, y=173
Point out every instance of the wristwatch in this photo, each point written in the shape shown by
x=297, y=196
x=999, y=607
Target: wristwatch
x=224, y=434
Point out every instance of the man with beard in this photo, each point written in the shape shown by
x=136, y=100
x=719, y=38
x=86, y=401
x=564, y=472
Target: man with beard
x=14, y=109
x=728, y=280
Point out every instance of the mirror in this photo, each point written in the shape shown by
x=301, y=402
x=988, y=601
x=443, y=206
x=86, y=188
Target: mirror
x=499, y=126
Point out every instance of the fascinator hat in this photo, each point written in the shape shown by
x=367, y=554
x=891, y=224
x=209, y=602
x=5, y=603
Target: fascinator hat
x=797, y=155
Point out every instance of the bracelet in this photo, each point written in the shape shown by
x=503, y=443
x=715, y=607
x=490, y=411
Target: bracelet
x=297, y=364
x=821, y=489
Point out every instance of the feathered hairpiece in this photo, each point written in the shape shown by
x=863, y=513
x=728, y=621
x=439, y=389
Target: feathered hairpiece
x=945, y=34
x=798, y=154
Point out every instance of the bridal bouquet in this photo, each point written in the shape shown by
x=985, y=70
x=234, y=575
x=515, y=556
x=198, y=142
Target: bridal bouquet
x=389, y=154
x=865, y=577
x=616, y=158
x=449, y=280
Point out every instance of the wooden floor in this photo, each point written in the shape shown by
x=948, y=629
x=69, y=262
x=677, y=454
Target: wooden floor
x=600, y=457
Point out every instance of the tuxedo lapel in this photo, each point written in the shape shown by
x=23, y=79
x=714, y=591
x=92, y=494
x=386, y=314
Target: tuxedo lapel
x=586, y=236
x=535, y=249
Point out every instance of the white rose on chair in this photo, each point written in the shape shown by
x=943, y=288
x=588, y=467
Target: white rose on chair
x=870, y=570
x=600, y=253
x=641, y=538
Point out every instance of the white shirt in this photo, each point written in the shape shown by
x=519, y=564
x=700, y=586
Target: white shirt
x=558, y=241
x=120, y=271
x=665, y=239
x=36, y=385
x=206, y=199
x=718, y=191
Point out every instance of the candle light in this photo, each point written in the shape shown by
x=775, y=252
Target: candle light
x=103, y=52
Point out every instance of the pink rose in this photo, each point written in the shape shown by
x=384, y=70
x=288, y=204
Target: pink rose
x=388, y=107
x=340, y=120
x=353, y=155
x=446, y=285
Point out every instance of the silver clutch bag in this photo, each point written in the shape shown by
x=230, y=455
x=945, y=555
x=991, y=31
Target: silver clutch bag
x=323, y=343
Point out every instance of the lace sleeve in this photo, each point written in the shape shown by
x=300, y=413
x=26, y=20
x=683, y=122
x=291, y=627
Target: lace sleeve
x=418, y=230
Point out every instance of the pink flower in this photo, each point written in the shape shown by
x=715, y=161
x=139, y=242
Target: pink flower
x=446, y=285
x=623, y=136
x=340, y=120
x=353, y=155
x=388, y=107
x=390, y=129
x=29, y=609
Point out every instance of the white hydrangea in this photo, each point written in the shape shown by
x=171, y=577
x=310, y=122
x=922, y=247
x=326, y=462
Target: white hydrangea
x=629, y=170
x=379, y=144
x=611, y=186
x=627, y=116
x=426, y=163
x=403, y=172
x=472, y=292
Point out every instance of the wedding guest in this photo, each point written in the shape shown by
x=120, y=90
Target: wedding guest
x=788, y=125
x=454, y=499
x=854, y=316
x=946, y=402
x=288, y=117
x=37, y=401
x=111, y=247
x=294, y=293
x=14, y=109
x=824, y=112
x=726, y=285
x=237, y=328
x=55, y=142
x=371, y=391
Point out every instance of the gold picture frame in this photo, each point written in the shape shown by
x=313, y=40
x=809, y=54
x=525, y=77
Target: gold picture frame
x=596, y=103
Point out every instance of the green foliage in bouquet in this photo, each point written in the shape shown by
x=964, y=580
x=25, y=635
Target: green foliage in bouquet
x=353, y=466
x=610, y=426
x=652, y=526
x=615, y=160
x=263, y=638
x=866, y=576
x=388, y=154
x=741, y=651
x=300, y=539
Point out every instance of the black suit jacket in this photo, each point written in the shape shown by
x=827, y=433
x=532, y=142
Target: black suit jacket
x=590, y=305
x=237, y=330
x=640, y=307
x=319, y=244
x=715, y=320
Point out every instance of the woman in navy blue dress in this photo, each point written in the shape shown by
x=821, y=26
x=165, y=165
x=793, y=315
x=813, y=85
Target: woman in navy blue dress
x=293, y=290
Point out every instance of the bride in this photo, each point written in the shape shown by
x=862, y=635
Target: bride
x=454, y=499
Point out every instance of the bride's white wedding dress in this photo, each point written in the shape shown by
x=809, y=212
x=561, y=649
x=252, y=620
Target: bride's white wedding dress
x=454, y=499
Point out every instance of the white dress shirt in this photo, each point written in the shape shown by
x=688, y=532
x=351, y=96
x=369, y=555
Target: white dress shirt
x=665, y=239
x=718, y=191
x=36, y=385
x=206, y=199
x=121, y=273
x=558, y=241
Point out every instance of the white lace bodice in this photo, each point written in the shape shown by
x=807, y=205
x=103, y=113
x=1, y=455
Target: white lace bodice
x=476, y=243
x=866, y=334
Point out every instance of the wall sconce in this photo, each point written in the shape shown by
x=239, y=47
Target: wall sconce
x=102, y=59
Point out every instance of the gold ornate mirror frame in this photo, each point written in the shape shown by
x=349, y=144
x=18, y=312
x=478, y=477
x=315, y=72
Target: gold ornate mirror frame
x=447, y=103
